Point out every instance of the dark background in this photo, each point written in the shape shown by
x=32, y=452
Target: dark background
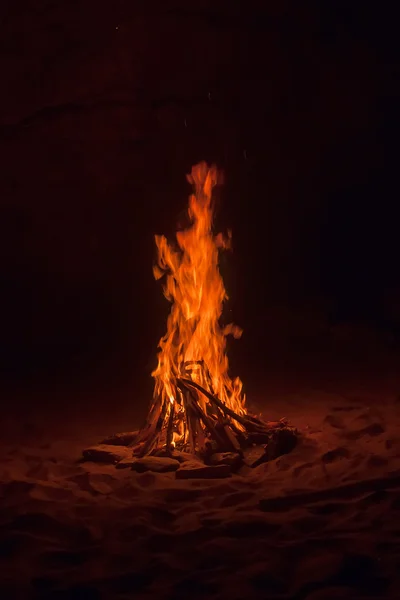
x=104, y=108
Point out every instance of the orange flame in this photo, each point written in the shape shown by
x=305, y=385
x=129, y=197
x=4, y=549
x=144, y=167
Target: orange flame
x=195, y=343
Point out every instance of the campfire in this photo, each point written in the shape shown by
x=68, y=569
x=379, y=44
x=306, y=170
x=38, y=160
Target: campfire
x=197, y=409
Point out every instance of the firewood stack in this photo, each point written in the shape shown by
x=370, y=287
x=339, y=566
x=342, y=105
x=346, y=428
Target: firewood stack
x=209, y=427
x=197, y=410
x=201, y=426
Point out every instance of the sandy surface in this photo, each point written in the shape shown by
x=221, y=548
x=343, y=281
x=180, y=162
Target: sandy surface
x=322, y=522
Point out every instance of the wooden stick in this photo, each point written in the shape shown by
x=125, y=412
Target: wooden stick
x=154, y=430
x=206, y=420
x=170, y=426
x=232, y=438
x=248, y=424
x=151, y=423
x=189, y=421
x=217, y=401
x=205, y=379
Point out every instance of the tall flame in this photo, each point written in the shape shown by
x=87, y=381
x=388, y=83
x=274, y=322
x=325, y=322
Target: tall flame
x=195, y=340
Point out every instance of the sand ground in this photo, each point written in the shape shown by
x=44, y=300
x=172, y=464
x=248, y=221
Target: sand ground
x=321, y=522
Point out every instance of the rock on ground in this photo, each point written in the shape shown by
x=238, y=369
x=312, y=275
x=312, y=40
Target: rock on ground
x=105, y=453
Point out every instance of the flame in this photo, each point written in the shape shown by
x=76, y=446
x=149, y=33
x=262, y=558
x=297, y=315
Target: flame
x=195, y=342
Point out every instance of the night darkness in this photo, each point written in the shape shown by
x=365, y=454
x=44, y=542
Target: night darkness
x=105, y=107
x=104, y=110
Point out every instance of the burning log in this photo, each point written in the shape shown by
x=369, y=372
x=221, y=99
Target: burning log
x=170, y=427
x=250, y=423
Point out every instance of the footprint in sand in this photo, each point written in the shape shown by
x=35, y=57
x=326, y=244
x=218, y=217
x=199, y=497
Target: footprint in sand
x=46, y=527
x=377, y=461
x=161, y=517
x=335, y=454
x=146, y=480
x=50, y=491
x=236, y=499
x=297, y=471
x=176, y=495
x=371, y=430
x=334, y=421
